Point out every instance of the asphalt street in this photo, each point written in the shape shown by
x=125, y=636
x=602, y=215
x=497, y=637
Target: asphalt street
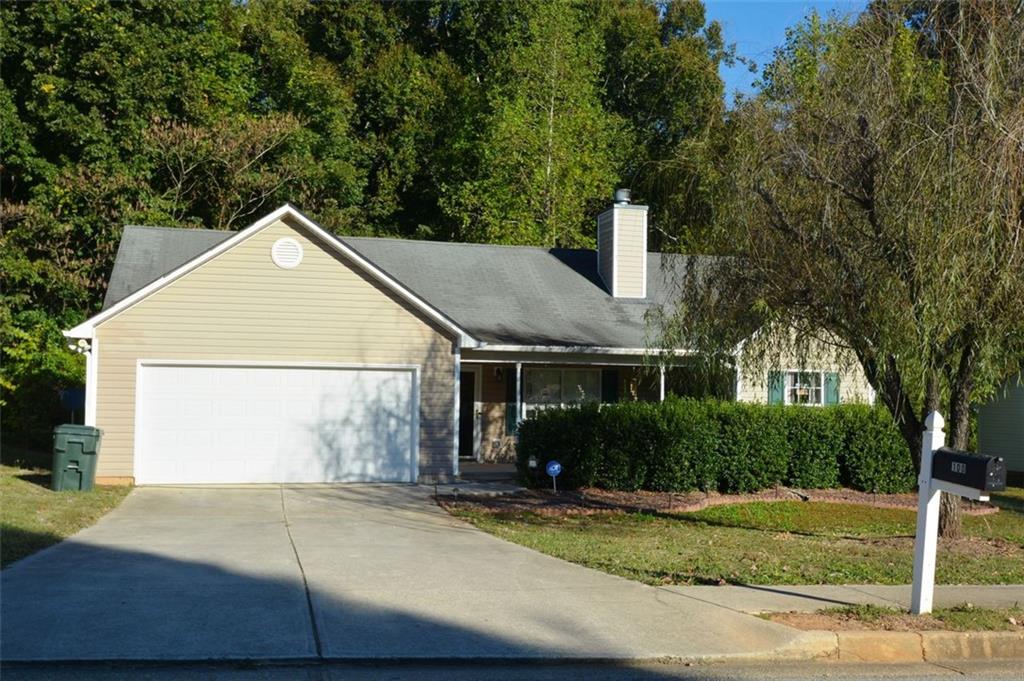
x=1012, y=670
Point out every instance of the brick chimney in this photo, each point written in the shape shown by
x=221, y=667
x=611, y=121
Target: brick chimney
x=622, y=247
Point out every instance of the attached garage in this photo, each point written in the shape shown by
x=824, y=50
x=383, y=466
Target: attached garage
x=273, y=355
x=210, y=423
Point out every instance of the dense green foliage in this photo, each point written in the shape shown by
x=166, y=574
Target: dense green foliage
x=471, y=121
x=684, y=444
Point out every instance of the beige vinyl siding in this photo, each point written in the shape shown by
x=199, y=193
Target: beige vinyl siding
x=630, y=264
x=1001, y=426
x=240, y=306
x=606, y=247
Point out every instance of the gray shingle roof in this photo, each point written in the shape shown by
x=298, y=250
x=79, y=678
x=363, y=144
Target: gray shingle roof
x=517, y=295
x=147, y=253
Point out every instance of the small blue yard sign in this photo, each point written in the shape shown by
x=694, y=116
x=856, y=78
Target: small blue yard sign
x=554, y=468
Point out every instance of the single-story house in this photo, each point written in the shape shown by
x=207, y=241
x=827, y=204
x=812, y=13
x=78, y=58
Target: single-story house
x=284, y=353
x=1001, y=425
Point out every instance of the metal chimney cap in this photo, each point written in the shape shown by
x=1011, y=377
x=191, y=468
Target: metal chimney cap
x=622, y=196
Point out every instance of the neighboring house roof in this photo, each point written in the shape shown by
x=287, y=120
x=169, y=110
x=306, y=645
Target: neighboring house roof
x=501, y=295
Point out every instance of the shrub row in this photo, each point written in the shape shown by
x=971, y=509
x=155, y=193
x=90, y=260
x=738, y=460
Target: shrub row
x=684, y=444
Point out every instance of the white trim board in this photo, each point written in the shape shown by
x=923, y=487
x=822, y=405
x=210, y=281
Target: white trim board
x=643, y=251
x=87, y=328
x=92, y=363
x=615, y=252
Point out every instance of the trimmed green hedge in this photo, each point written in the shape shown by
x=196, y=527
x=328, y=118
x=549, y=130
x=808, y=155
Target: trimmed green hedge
x=684, y=444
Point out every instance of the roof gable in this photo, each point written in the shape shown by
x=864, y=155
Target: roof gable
x=85, y=329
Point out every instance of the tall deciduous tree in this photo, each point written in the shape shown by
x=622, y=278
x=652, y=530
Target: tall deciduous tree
x=660, y=74
x=81, y=85
x=878, y=204
x=550, y=149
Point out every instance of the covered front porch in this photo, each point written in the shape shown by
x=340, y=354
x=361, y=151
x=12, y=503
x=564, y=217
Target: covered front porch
x=498, y=390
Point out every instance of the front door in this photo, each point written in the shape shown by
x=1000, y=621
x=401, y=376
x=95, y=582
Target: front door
x=467, y=415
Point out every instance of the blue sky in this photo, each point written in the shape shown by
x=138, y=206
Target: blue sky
x=757, y=27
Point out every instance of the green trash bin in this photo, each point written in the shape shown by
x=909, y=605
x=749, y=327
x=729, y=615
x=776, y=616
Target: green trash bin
x=75, y=449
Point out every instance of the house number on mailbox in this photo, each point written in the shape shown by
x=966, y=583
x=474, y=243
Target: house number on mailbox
x=958, y=467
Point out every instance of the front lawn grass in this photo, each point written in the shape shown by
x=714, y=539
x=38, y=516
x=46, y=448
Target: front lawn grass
x=1011, y=497
x=764, y=543
x=32, y=516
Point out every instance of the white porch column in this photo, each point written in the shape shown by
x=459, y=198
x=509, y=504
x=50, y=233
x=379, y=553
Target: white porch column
x=519, y=392
x=927, y=518
x=458, y=396
x=661, y=386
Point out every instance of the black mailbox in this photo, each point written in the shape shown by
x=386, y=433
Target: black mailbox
x=987, y=473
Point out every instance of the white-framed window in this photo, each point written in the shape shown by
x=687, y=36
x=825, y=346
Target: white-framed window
x=550, y=388
x=805, y=387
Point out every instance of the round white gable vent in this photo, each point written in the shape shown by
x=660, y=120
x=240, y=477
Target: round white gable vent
x=286, y=253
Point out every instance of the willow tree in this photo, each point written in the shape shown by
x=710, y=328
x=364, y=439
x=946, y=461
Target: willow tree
x=877, y=207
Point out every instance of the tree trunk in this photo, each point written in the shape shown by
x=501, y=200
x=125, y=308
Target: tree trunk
x=890, y=389
x=959, y=431
x=949, y=516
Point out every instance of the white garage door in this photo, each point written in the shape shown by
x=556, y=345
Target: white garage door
x=245, y=424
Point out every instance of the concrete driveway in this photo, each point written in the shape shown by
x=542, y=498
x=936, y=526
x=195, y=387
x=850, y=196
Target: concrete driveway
x=337, y=572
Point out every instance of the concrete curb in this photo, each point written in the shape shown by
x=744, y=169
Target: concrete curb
x=905, y=646
x=809, y=646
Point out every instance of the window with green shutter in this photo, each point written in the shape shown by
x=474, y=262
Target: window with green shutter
x=808, y=388
x=776, y=387
x=831, y=388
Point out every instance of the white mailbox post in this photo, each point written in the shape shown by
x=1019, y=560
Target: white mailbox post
x=927, y=518
x=959, y=473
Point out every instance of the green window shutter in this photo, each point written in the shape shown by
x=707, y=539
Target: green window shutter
x=510, y=401
x=776, y=387
x=832, y=388
x=609, y=386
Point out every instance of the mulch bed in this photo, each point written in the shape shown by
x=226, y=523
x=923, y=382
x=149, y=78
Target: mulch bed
x=897, y=621
x=593, y=500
